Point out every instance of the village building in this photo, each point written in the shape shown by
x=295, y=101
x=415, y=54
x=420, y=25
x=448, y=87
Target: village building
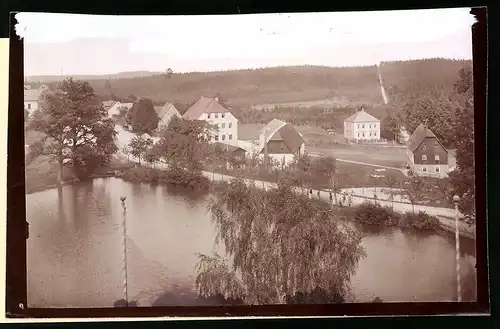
x=108, y=104
x=362, y=126
x=166, y=113
x=281, y=142
x=32, y=97
x=116, y=107
x=427, y=156
x=209, y=109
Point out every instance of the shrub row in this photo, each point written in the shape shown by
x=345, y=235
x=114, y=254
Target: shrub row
x=374, y=214
x=177, y=177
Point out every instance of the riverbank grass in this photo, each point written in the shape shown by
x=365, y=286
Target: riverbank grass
x=176, y=177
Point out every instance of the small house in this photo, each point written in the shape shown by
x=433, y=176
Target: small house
x=427, y=155
x=166, y=113
x=280, y=141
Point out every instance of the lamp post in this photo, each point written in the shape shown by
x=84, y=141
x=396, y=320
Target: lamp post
x=456, y=199
x=125, y=278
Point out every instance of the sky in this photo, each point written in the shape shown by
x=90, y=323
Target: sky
x=97, y=44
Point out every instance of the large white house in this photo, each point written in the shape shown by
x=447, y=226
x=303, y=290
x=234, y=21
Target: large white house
x=209, y=109
x=361, y=126
x=32, y=97
x=281, y=142
x=166, y=113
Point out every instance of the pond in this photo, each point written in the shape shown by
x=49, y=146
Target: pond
x=75, y=250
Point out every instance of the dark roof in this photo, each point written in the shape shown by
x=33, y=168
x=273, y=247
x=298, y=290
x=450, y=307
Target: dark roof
x=278, y=130
x=204, y=105
x=228, y=147
x=421, y=132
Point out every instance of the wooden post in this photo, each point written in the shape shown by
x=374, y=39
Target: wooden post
x=124, y=224
x=457, y=249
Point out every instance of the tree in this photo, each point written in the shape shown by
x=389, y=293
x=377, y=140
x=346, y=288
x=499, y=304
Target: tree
x=168, y=73
x=464, y=84
x=303, y=168
x=184, y=144
x=131, y=98
x=414, y=190
x=463, y=177
x=152, y=154
x=390, y=127
x=142, y=116
x=391, y=182
x=139, y=146
x=126, y=151
x=281, y=245
x=325, y=169
x=26, y=115
x=78, y=131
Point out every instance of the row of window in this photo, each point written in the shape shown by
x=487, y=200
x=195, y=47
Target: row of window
x=363, y=134
x=222, y=137
x=223, y=125
x=216, y=115
x=436, y=157
x=362, y=125
x=424, y=169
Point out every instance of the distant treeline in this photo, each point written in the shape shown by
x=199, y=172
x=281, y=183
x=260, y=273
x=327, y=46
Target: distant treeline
x=434, y=77
x=249, y=87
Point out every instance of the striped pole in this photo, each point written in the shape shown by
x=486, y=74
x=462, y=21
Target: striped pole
x=457, y=251
x=125, y=277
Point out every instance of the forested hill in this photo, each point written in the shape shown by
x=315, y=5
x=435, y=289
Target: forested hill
x=430, y=77
x=251, y=87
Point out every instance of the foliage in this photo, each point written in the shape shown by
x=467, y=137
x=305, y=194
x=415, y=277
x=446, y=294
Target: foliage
x=421, y=221
x=177, y=177
x=142, y=116
x=26, y=115
x=414, y=189
x=390, y=126
x=463, y=177
x=184, y=144
x=374, y=214
x=34, y=150
x=279, y=245
x=76, y=127
x=139, y=146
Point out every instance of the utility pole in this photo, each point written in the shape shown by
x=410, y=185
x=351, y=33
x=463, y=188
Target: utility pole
x=124, y=224
x=456, y=199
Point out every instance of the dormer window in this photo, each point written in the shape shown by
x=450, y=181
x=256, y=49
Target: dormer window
x=424, y=157
x=223, y=114
x=208, y=115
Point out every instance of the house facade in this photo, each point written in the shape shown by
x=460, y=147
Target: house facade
x=281, y=142
x=32, y=97
x=427, y=156
x=166, y=113
x=209, y=109
x=362, y=126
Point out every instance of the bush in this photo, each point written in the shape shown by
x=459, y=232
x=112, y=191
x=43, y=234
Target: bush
x=419, y=221
x=34, y=150
x=177, y=177
x=374, y=214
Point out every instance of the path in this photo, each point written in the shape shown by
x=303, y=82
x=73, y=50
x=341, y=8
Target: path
x=382, y=89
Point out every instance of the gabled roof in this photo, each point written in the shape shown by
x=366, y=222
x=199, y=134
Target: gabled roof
x=229, y=147
x=161, y=111
x=108, y=104
x=361, y=116
x=421, y=132
x=204, y=105
x=278, y=130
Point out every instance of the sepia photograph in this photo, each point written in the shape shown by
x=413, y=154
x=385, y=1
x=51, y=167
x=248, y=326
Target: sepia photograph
x=260, y=159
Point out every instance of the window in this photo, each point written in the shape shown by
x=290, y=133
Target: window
x=29, y=106
x=359, y=125
x=223, y=125
x=363, y=134
x=436, y=169
x=216, y=138
x=436, y=157
x=370, y=134
x=230, y=136
x=230, y=124
x=370, y=126
x=223, y=137
x=424, y=157
x=208, y=115
x=363, y=126
x=359, y=134
x=223, y=114
x=424, y=168
x=216, y=115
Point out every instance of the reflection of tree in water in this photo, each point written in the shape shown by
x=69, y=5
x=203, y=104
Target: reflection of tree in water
x=192, y=197
x=282, y=248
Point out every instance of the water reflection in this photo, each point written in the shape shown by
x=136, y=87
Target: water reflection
x=75, y=250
